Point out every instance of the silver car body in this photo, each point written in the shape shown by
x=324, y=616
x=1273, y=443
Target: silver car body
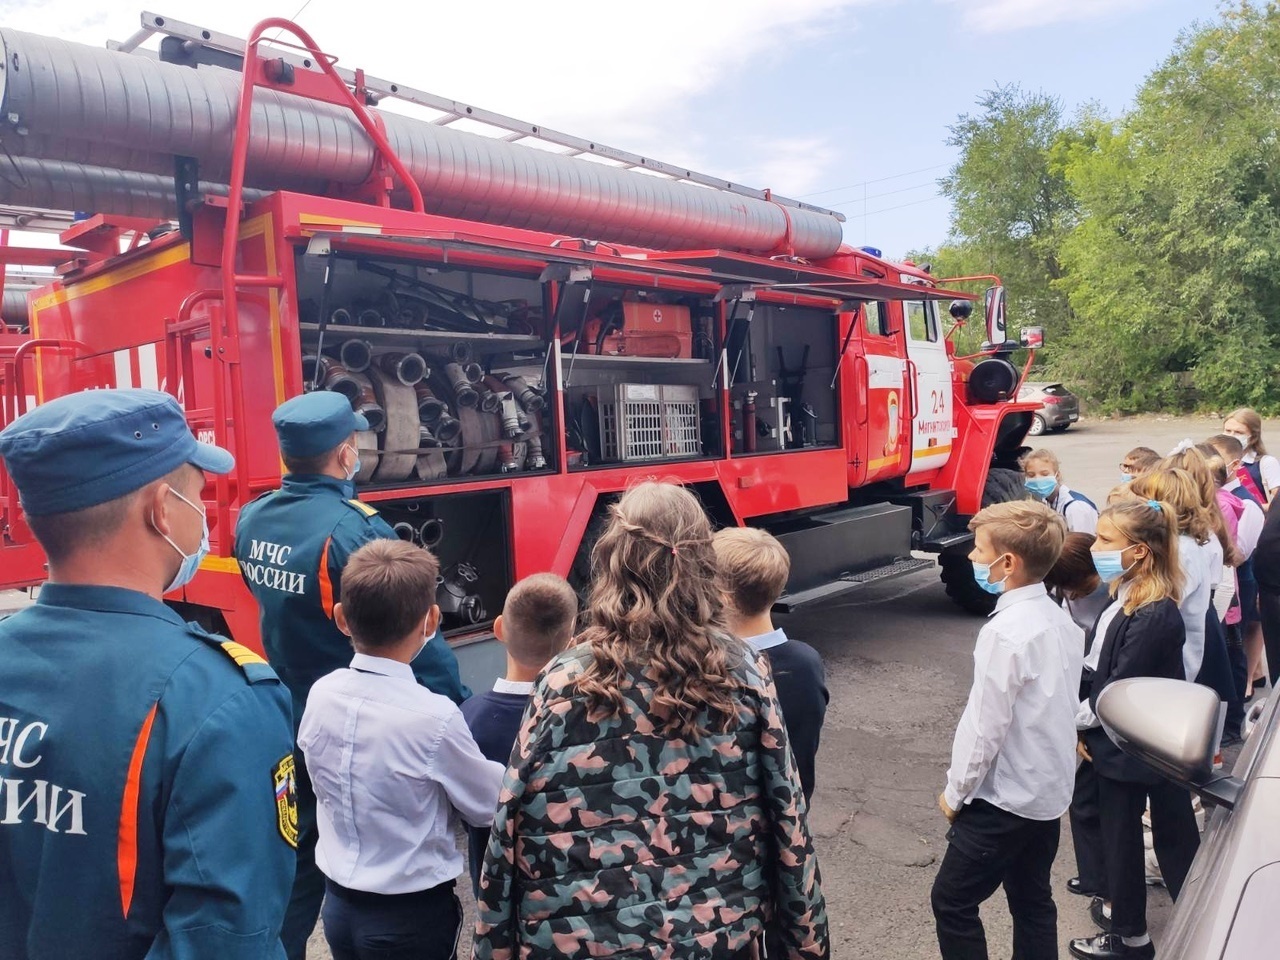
x=1229, y=908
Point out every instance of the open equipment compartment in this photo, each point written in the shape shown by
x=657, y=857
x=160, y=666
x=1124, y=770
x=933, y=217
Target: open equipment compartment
x=638, y=372
x=448, y=364
x=781, y=361
x=469, y=535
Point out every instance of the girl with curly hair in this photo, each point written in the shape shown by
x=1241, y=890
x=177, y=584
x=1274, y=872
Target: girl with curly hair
x=652, y=807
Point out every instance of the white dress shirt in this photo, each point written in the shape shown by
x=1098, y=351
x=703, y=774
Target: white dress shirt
x=1080, y=517
x=1086, y=610
x=1015, y=745
x=1084, y=715
x=391, y=761
x=1249, y=527
x=1268, y=467
x=774, y=638
x=1200, y=573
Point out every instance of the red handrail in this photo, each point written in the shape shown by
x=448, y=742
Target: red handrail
x=224, y=336
x=19, y=355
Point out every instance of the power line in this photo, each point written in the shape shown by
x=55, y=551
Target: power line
x=913, y=203
x=865, y=183
x=886, y=193
x=294, y=18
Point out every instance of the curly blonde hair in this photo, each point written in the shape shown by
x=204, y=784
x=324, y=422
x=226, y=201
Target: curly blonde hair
x=655, y=608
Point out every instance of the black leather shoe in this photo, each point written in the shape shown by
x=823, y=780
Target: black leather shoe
x=1108, y=946
x=1099, y=917
x=1079, y=889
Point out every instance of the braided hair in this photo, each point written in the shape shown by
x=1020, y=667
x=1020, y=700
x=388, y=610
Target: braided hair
x=655, y=608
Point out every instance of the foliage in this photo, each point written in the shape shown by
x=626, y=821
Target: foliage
x=1011, y=201
x=1149, y=245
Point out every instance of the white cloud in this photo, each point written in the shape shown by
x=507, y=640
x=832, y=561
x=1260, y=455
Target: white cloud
x=1003, y=16
x=626, y=74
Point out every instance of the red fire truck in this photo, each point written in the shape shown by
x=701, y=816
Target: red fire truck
x=528, y=330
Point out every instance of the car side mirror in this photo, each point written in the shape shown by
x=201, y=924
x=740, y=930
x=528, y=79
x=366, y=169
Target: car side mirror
x=1173, y=727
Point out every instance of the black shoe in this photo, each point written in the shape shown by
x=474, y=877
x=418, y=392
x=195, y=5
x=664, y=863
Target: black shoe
x=1099, y=917
x=1079, y=889
x=1108, y=946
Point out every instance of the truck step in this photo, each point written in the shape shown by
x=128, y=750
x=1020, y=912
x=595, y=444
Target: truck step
x=944, y=542
x=847, y=582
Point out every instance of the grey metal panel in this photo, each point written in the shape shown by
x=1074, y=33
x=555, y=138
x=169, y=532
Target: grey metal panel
x=58, y=93
x=824, y=547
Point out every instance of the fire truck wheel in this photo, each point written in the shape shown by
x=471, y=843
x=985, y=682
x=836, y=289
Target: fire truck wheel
x=1003, y=485
x=957, y=571
x=957, y=578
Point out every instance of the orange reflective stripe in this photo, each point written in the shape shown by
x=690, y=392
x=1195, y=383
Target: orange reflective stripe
x=127, y=848
x=326, y=585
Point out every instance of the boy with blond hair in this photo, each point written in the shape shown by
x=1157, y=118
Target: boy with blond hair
x=536, y=624
x=1013, y=762
x=754, y=568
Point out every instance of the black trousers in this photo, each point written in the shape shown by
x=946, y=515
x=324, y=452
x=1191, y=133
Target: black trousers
x=403, y=926
x=1269, y=613
x=1086, y=830
x=1239, y=662
x=989, y=847
x=1176, y=839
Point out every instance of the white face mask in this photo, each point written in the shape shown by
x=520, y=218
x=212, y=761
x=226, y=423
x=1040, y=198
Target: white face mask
x=1244, y=438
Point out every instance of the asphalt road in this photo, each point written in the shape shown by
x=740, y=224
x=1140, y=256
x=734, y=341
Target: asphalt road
x=899, y=665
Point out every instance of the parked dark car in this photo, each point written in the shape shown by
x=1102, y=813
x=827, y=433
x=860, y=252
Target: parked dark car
x=1059, y=407
x=1227, y=909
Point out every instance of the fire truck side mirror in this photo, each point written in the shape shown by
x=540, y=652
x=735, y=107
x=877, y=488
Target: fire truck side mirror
x=996, y=332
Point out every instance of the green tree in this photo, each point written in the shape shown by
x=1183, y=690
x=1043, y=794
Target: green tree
x=1173, y=269
x=1012, y=205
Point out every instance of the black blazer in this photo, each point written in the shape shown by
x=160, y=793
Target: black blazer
x=1146, y=644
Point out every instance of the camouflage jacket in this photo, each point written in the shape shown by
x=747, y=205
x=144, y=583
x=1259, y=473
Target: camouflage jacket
x=612, y=840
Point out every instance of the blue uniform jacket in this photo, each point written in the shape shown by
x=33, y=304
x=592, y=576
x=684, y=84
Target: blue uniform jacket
x=292, y=545
x=145, y=785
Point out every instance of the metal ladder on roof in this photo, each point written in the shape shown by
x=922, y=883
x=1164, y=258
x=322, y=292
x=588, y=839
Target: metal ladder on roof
x=452, y=111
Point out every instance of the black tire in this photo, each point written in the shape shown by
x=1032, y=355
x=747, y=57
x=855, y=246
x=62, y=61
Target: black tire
x=957, y=570
x=1037, y=426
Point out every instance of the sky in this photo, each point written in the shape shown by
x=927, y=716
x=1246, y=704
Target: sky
x=829, y=101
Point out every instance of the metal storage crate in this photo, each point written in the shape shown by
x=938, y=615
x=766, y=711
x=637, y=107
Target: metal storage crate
x=641, y=421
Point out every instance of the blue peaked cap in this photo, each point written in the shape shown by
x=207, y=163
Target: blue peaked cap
x=87, y=448
x=314, y=423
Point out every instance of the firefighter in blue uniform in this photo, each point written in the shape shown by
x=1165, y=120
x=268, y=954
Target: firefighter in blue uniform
x=292, y=545
x=145, y=765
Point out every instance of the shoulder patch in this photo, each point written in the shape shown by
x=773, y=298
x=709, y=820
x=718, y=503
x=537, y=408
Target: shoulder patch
x=362, y=508
x=254, y=668
x=284, y=783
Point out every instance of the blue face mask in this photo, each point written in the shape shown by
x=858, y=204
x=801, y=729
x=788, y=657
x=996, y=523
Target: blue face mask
x=1041, y=486
x=355, y=469
x=1110, y=563
x=982, y=575
x=1126, y=477
x=190, y=561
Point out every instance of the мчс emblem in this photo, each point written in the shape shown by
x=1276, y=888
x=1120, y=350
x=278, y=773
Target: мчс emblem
x=286, y=787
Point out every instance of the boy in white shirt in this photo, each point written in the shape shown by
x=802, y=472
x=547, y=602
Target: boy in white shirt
x=392, y=763
x=1014, y=757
